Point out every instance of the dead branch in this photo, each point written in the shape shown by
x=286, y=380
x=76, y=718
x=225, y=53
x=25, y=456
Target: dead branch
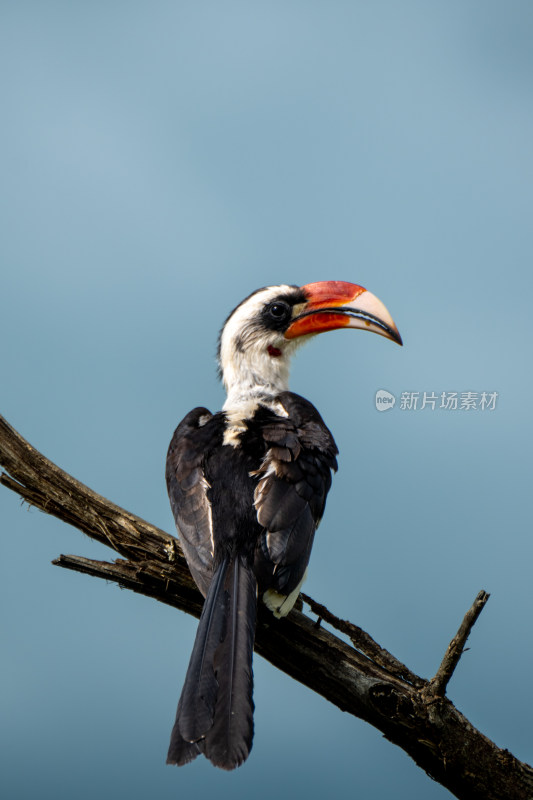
x=363, y=679
x=437, y=685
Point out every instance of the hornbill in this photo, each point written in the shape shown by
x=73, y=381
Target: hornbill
x=248, y=487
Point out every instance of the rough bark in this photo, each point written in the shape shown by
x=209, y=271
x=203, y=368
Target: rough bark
x=364, y=679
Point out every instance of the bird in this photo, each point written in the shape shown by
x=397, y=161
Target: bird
x=247, y=487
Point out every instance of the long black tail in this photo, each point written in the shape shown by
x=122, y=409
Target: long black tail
x=215, y=710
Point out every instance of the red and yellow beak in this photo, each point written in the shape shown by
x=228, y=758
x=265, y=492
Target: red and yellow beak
x=337, y=304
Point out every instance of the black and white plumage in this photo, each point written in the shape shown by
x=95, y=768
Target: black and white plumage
x=248, y=487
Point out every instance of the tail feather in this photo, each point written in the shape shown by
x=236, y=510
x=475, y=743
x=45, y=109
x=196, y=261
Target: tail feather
x=215, y=711
x=196, y=707
x=229, y=740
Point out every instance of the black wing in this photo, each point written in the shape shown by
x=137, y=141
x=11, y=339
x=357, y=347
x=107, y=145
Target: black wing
x=187, y=491
x=294, y=479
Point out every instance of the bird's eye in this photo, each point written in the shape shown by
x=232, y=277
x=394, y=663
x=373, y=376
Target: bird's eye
x=278, y=311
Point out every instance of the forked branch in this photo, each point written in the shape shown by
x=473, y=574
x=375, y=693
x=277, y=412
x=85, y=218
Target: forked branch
x=362, y=678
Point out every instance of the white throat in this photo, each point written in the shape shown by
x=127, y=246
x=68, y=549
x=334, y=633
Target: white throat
x=254, y=379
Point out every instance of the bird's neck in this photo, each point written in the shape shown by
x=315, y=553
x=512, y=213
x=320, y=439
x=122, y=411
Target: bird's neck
x=245, y=396
x=250, y=384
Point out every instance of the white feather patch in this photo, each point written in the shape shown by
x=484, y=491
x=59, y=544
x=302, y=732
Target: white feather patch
x=282, y=604
x=205, y=486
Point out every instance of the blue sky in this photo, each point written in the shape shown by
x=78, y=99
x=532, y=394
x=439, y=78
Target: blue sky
x=159, y=162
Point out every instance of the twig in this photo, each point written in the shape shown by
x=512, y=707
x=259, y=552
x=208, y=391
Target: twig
x=366, y=644
x=180, y=592
x=437, y=685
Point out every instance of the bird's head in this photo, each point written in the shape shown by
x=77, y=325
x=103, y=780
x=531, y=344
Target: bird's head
x=261, y=334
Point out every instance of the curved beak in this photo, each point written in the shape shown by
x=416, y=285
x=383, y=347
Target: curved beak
x=336, y=304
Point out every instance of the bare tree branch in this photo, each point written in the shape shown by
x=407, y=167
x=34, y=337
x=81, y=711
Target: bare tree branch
x=362, y=641
x=437, y=685
x=363, y=679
